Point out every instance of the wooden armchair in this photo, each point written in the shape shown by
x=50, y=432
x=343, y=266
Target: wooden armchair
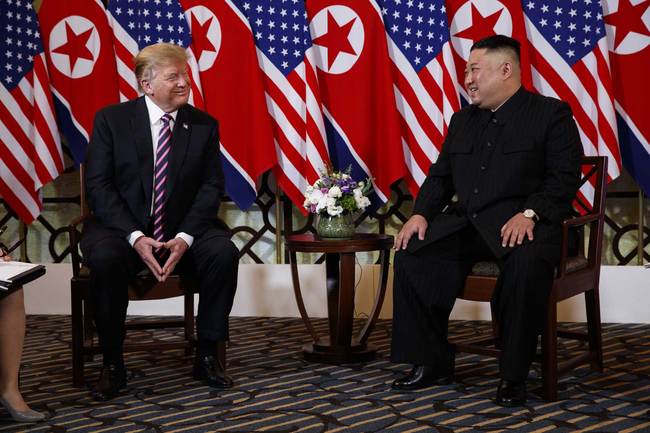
x=143, y=287
x=575, y=275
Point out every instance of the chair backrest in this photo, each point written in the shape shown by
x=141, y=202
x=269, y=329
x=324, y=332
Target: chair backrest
x=85, y=210
x=589, y=205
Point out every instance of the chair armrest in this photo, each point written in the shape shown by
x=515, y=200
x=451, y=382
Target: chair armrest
x=74, y=243
x=566, y=225
x=580, y=221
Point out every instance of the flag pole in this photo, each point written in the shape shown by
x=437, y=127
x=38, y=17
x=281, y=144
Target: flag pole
x=278, y=226
x=640, y=243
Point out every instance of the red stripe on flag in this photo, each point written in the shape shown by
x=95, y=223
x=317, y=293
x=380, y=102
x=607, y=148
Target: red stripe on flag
x=565, y=93
x=313, y=131
x=41, y=115
x=17, y=204
x=603, y=127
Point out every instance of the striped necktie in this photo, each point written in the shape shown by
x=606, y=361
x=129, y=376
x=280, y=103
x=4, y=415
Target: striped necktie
x=160, y=177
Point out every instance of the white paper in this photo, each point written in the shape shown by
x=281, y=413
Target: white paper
x=8, y=270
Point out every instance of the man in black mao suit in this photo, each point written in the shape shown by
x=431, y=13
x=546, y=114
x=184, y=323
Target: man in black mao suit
x=154, y=182
x=504, y=181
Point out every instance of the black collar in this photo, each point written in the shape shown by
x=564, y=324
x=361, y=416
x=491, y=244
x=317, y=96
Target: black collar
x=509, y=108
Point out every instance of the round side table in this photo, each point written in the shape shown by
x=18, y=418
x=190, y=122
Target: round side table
x=340, y=346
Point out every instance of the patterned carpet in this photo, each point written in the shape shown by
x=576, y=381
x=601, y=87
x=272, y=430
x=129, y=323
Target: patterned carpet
x=276, y=391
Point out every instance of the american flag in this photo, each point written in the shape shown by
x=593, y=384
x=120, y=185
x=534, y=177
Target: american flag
x=570, y=61
x=30, y=150
x=138, y=23
x=425, y=75
x=284, y=50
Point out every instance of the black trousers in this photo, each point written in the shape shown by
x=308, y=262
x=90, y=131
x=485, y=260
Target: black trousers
x=424, y=290
x=113, y=263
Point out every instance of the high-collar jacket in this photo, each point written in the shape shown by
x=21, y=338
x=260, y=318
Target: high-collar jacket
x=492, y=165
x=119, y=171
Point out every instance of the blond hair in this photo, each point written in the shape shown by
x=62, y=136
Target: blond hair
x=155, y=56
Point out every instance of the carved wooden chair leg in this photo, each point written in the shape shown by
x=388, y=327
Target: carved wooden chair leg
x=594, y=329
x=77, y=339
x=189, y=321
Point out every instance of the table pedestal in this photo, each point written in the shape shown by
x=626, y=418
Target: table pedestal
x=340, y=346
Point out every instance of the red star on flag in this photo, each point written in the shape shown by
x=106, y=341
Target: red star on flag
x=200, y=38
x=336, y=39
x=628, y=19
x=75, y=46
x=476, y=32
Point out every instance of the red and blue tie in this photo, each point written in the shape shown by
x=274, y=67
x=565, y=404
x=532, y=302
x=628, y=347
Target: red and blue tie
x=160, y=178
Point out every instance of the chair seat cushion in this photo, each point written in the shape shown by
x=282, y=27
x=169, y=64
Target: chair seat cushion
x=491, y=269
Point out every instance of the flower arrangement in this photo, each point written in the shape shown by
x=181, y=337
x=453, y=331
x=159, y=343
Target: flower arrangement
x=335, y=193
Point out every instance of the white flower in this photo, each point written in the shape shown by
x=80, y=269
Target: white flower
x=361, y=201
x=321, y=203
x=357, y=192
x=309, y=190
x=315, y=196
x=335, y=192
x=334, y=210
x=361, y=184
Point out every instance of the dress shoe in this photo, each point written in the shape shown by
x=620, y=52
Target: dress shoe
x=422, y=376
x=22, y=415
x=511, y=393
x=111, y=380
x=208, y=370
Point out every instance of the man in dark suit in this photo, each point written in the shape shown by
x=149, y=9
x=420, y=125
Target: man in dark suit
x=154, y=183
x=504, y=181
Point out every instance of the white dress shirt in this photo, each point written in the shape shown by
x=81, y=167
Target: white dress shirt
x=155, y=116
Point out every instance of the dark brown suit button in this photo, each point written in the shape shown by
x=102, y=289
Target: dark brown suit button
x=489, y=144
x=474, y=215
x=494, y=120
x=475, y=190
x=483, y=167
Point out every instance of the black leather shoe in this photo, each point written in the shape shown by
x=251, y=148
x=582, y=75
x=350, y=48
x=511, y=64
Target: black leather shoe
x=422, y=376
x=511, y=394
x=208, y=370
x=112, y=379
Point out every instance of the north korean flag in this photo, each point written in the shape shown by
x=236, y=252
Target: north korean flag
x=627, y=23
x=354, y=72
x=233, y=92
x=473, y=20
x=81, y=62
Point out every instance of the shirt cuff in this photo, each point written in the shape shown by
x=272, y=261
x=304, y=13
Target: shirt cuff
x=187, y=238
x=134, y=237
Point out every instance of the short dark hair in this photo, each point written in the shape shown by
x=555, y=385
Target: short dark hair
x=498, y=43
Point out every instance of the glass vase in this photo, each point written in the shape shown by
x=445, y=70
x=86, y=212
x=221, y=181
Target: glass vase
x=335, y=227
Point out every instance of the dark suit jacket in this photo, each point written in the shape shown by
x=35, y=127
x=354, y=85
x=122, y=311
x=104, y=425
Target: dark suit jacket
x=534, y=163
x=119, y=174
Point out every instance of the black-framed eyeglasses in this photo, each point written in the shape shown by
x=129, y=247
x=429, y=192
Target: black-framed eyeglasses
x=4, y=248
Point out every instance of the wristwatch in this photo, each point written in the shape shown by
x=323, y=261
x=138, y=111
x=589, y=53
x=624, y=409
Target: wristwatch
x=529, y=213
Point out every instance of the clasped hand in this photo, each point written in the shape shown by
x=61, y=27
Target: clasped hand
x=146, y=246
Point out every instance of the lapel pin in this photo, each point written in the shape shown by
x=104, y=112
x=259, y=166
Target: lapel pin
x=185, y=125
